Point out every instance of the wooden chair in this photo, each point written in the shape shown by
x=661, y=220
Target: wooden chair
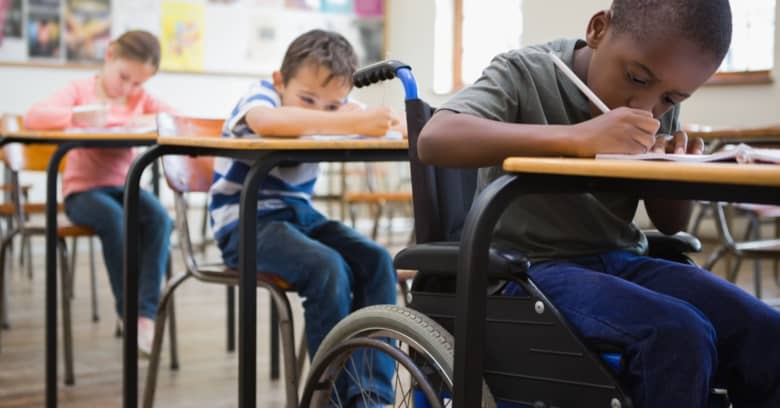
x=186, y=175
x=381, y=198
x=35, y=158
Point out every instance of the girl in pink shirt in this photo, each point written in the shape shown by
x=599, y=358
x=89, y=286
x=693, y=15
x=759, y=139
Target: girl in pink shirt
x=93, y=178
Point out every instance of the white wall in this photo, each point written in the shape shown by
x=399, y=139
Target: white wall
x=734, y=105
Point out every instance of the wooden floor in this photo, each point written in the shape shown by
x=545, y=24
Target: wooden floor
x=207, y=377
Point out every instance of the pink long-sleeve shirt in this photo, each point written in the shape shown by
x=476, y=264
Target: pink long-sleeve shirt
x=86, y=169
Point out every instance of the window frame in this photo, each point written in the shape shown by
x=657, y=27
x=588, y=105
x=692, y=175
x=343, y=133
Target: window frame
x=753, y=77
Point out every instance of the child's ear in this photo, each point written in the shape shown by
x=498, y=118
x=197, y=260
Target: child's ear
x=597, y=28
x=278, y=81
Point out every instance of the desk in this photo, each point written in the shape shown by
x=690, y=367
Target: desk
x=266, y=153
x=645, y=179
x=752, y=136
x=65, y=141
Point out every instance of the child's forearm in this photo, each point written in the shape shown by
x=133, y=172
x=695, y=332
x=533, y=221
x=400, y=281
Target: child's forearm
x=44, y=116
x=288, y=121
x=462, y=140
x=669, y=216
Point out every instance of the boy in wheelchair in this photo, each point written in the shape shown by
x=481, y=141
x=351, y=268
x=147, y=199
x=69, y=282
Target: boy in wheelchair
x=682, y=330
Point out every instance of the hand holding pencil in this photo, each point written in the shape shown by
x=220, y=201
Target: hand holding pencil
x=623, y=130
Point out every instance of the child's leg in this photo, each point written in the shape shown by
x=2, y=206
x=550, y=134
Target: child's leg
x=374, y=283
x=374, y=276
x=747, y=329
x=100, y=210
x=318, y=273
x=669, y=345
x=156, y=228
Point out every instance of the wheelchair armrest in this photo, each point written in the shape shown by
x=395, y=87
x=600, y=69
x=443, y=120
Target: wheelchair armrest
x=671, y=246
x=442, y=258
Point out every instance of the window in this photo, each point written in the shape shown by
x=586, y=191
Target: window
x=469, y=33
x=751, y=56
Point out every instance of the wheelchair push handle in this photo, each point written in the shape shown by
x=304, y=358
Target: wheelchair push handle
x=386, y=70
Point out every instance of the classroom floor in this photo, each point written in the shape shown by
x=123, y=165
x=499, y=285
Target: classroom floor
x=208, y=374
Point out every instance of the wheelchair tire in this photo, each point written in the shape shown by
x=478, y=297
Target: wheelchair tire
x=432, y=355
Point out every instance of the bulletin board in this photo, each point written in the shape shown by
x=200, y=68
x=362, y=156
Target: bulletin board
x=198, y=36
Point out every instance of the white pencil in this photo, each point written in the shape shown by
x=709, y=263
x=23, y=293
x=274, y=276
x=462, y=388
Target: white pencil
x=581, y=85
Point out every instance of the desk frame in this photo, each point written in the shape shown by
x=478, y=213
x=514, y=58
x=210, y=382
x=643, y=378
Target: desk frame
x=265, y=160
x=481, y=221
x=65, y=144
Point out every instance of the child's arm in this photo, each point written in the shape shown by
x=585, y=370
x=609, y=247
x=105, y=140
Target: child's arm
x=463, y=140
x=293, y=121
x=54, y=112
x=672, y=216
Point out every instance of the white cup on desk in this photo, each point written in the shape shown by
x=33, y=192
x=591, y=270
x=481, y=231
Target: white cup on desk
x=92, y=115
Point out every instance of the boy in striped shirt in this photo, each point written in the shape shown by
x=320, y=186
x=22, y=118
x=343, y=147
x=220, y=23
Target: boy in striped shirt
x=334, y=269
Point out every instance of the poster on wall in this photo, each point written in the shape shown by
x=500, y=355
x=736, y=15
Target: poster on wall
x=181, y=38
x=302, y=4
x=337, y=6
x=136, y=15
x=87, y=29
x=216, y=36
x=12, y=46
x=44, y=29
x=370, y=8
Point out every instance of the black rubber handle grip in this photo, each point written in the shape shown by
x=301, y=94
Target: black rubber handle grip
x=377, y=72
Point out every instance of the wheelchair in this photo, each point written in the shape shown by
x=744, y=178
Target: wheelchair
x=531, y=358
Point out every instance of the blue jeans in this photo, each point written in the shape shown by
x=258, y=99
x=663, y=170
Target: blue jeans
x=102, y=210
x=335, y=270
x=682, y=328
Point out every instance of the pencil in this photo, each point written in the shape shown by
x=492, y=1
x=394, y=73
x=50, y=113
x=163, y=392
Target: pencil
x=581, y=85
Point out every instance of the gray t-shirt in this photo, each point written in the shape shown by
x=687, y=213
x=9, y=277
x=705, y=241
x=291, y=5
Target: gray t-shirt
x=523, y=86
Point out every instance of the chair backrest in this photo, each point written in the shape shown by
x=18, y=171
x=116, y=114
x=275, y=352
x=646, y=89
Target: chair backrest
x=186, y=174
x=441, y=197
x=25, y=157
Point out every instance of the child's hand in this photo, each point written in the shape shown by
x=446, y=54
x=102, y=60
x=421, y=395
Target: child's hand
x=678, y=144
x=90, y=115
x=143, y=121
x=623, y=130
x=375, y=121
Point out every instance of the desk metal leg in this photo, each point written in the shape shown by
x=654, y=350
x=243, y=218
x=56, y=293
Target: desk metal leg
x=51, y=272
x=247, y=288
x=130, y=353
x=471, y=288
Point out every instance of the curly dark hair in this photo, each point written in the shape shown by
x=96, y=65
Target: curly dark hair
x=705, y=22
x=320, y=48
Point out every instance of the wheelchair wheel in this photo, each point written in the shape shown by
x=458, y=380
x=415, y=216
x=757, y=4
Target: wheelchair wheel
x=420, y=349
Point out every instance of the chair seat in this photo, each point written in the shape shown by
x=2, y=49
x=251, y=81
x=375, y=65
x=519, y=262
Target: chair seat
x=9, y=209
x=766, y=248
x=379, y=197
x=65, y=228
x=442, y=258
x=761, y=210
x=218, y=272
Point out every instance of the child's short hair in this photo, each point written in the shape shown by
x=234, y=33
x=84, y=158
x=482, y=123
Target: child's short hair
x=323, y=49
x=138, y=45
x=705, y=22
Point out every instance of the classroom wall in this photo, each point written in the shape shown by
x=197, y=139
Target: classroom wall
x=410, y=39
x=725, y=105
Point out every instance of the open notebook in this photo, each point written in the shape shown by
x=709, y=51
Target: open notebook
x=390, y=135
x=113, y=130
x=741, y=154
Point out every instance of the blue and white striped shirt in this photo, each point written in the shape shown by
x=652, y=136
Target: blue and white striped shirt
x=282, y=185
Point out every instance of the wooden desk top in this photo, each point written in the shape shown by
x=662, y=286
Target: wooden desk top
x=736, y=134
x=72, y=135
x=284, y=143
x=729, y=173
